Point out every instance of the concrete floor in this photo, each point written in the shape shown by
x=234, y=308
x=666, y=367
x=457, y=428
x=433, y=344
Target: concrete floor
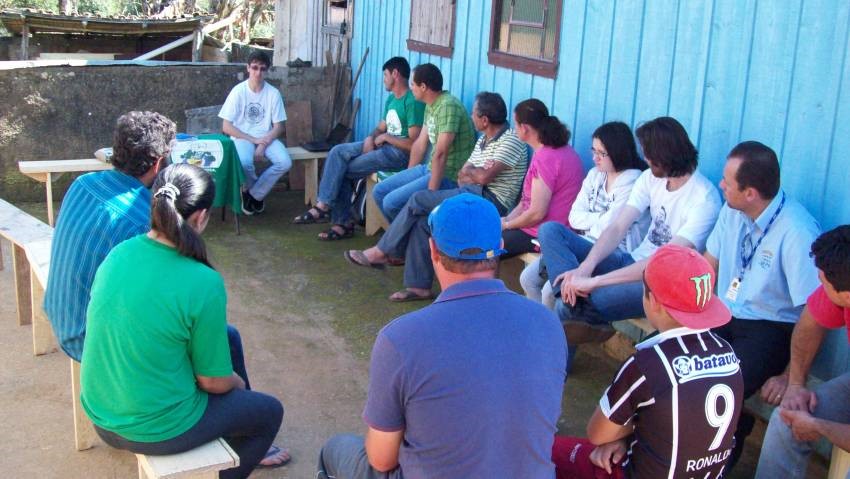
x=307, y=319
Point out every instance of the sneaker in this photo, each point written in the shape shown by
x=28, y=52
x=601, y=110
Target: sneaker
x=258, y=205
x=247, y=203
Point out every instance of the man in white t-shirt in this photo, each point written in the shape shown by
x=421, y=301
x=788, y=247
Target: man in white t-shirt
x=253, y=116
x=600, y=284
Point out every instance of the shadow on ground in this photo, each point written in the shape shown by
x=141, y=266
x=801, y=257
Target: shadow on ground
x=308, y=320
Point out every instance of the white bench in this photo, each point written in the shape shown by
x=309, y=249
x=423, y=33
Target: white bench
x=203, y=462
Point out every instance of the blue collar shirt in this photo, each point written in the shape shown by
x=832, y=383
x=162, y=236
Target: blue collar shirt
x=781, y=275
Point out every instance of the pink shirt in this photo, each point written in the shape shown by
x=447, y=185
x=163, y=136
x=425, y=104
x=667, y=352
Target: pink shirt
x=561, y=170
x=827, y=313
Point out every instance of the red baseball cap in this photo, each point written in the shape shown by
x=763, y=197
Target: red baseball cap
x=682, y=281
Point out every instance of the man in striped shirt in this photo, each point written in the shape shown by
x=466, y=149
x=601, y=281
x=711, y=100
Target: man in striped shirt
x=673, y=406
x=99, y=211
x=495, y=170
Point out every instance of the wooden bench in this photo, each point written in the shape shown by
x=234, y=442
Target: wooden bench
x=374, y=217
x=203, y=462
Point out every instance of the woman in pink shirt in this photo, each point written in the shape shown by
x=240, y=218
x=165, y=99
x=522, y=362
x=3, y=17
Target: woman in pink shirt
x=553, y=179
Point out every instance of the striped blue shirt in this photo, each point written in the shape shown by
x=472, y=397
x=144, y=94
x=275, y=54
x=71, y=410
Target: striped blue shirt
x=99, y=211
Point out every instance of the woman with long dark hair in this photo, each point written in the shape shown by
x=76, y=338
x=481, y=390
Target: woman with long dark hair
x=616, y=166
x=553, y=179
x=162, y=372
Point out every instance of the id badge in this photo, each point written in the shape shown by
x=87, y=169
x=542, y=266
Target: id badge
x=732, y=292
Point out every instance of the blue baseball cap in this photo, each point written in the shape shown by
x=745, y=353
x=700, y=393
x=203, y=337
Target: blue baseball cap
x=467, y=226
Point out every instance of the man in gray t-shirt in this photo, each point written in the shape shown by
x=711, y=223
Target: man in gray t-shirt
x=469, y=386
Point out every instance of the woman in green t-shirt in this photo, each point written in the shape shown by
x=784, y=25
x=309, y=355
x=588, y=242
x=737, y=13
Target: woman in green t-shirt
x=159, y=358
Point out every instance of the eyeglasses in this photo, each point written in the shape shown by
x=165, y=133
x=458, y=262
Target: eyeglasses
x=600, y=154
x=260, y=68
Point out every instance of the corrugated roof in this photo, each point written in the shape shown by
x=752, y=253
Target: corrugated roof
x=44, y=21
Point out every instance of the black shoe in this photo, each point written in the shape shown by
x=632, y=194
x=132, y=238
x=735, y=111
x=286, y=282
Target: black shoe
x=258, y=205
x=247, y=203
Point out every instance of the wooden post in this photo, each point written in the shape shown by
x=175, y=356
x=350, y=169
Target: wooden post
x=22, y=284
x=311, y=175
x=25, y=41
x=198, y=45
x=43, y=340
x=84, y=435
x=49, y=190
x=840, y=463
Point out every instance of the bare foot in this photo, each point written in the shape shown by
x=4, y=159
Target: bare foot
x=375, y=256
x=275, y=457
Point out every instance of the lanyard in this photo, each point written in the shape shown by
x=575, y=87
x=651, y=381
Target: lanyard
x=747, y=259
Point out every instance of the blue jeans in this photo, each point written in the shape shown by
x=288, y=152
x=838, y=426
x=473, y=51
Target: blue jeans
x=344, y=457
x=247, y=420
x=391, y=194
x=276, y=153
x=563, y=250
x=784, y=456
x=347, y=162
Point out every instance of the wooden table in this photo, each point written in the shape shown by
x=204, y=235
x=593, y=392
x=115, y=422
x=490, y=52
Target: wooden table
x=48, y=170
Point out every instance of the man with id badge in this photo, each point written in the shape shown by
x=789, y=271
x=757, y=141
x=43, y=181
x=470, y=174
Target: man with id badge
x=759, y=248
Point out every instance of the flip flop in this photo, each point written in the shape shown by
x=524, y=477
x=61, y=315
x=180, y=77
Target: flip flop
x=357, y=258
x=406, y=295
x=273, y=451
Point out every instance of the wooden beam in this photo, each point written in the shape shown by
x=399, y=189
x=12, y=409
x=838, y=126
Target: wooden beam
x=188, y=38
x=25, y=41
x=197, y=45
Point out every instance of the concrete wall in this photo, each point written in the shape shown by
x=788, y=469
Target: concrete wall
x=124, y=47
x=65, y=112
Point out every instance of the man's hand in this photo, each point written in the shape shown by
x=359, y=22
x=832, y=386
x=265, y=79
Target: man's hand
x=798, y=398
x=574, y=284
x=803, y=425
x=380, y=139
x=368, y=144
x=607, y=456
x=260, y=152
x=774, y=388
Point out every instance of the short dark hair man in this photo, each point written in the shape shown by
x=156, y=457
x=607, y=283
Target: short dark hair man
x=600, y=284
x=449, y=132
x=673, y=405
x=99, y=211
x=253, y=116
x=805, y=415
x=494, y=170
x=387, y=148
x=469, y=386
x=764, y=275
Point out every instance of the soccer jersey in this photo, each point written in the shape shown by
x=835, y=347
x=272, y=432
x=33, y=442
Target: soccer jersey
x=683, y=391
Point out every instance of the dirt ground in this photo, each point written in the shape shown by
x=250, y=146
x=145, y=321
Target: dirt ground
x=307, y=320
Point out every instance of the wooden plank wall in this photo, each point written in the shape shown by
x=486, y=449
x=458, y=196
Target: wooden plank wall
x=730, y=70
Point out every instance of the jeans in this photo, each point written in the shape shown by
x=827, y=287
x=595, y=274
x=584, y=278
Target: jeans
x=391, y=194
x=533, y=282
x=280, y=163
x=347, y=162
x=764, y=348
x=563, y=250
x=344, y=457
x=407, y=236
x=781, y=454
x=247, y=420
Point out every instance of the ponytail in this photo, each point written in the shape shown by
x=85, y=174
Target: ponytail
x=550, y=130
x=181, y=190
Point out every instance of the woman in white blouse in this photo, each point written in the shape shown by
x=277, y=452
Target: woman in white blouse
x=604, y=190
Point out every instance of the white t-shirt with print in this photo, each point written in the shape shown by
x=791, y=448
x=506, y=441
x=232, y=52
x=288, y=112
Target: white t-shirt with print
x=253, y=113
x=689, y=212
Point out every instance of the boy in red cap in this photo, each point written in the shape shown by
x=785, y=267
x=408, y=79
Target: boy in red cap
x=672, y=408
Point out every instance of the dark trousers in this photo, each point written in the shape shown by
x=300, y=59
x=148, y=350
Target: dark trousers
x=247, y=420
x=517, y=242
x=764, y=348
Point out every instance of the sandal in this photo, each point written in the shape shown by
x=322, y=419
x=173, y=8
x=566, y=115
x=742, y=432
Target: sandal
x=273, y=451
x=333, y=235
x=405, y=295
x=357, y=258
x=307, y=218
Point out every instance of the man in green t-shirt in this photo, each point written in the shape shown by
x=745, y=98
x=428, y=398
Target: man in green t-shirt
x=387, y=148
x=448, y=130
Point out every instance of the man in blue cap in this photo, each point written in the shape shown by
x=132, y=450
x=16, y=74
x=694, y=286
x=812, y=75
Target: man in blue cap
x=469, y=386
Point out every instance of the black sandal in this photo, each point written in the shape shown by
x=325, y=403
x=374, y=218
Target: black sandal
x=333, y=235
x=307, y=218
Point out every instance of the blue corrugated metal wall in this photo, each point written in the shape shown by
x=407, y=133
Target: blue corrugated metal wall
x=730, y=70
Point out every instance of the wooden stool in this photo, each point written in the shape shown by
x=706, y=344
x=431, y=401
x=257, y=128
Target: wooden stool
x=203, y=462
